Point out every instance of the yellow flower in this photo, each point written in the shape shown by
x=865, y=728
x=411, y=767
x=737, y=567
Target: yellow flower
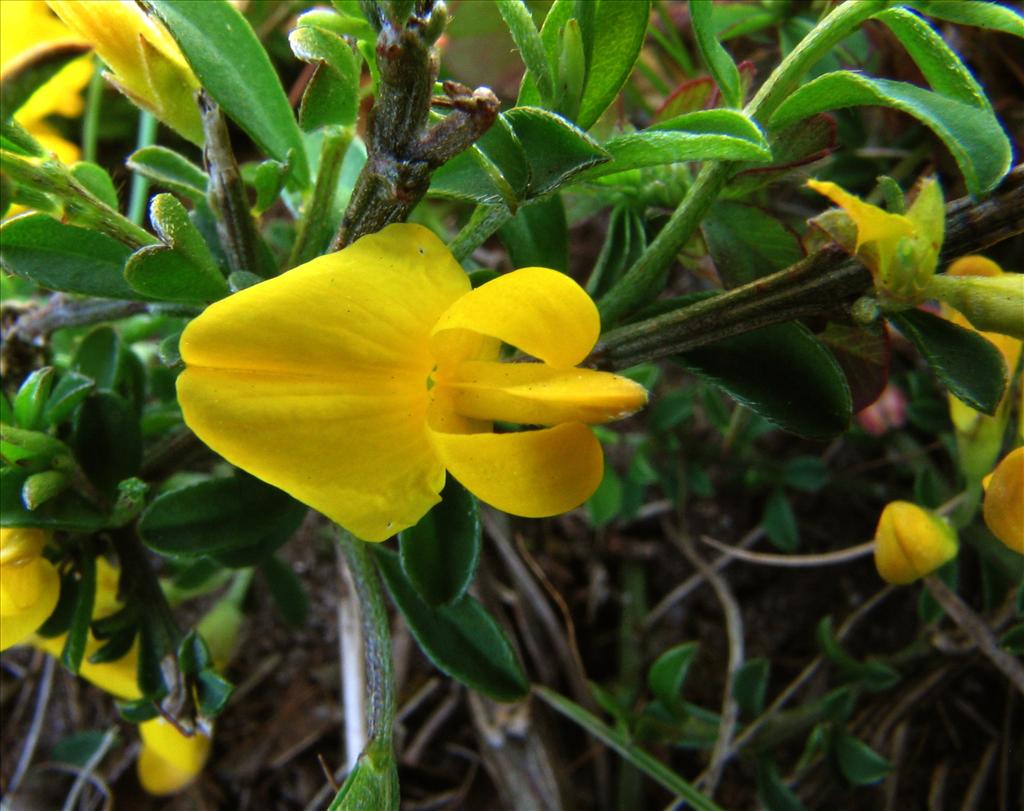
x=118, y=677
x=145, y=62
x=979, y=436
x=27, y=28
x=29, y=585
x=1004, y=501
x=169, y=760
x=911, y=542
x=354, y=381
x=900, y=250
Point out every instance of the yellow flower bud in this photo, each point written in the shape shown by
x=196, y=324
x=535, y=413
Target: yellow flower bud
x=990, y=303
x=144, y=60
x=1004, y=501
x=169, y=761
x=911, y=542
x=29, y=585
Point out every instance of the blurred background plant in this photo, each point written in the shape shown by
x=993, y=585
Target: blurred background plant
x=711, y=615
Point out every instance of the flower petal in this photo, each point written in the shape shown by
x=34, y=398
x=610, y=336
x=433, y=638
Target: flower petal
x=169, y=760
x=531, y=473
x=18, y=621
x=370, y=306
x=537, y=394
x=539, y=311
x=354, y=448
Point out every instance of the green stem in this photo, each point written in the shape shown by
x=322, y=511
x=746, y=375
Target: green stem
x=315, y=228
x=630, y=751
x=646, y=279
x=140, y=183
x=380, y=676
x=91, y=120
x=483, y=222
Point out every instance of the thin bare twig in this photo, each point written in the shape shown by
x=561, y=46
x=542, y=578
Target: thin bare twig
x=352, y=661
x=32, y=738
x=86, y=773
x=793, y=561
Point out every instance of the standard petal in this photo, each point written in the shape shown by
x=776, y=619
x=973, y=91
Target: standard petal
x=370, y=306
x=539, y=311
x=537, y=394
x=530, y=473
x=355, y=448
x=18, y=621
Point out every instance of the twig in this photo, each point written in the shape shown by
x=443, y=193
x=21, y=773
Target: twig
x=38, y=715
x=86, y=772
x=61, y=311
x=353, y=673
x=793, y=561
x=972, y=625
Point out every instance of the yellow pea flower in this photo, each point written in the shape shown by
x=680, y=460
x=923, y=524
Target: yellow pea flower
x=980, y=436
x=169, y=760
x=144, y=60
x=29, y=585
x=911, y=542
x=26, y=28
x=900, y=250
x=1004, y=501
x=354, y=381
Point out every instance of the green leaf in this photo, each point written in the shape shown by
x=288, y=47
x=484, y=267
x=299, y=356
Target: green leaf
x=805, y=473
x=779, y=522
x=31, y=397
x=440, y=553
x=64, y=257
x=99, y=358
x=559, y=14
x=219, y=515
x=193, y=654
x=625, y=241
x=793, y=146
x=78, y=749
x=782, y=373
x=68, y=511
x=619, y=28
x=859, y=763
x=213, y=692
x=167, y=168
x=966, y=363
x=972, y=134
x=15, y=138
x=994, y=16
x=874, y=676
x=107, y=440
x=717, y=59
x=97, y=182
x=332, y=96
x=494, y=170
x=287, y=590
x=78, y=632
x=556, y=151
x=668, y=673
x=864, y=355
x=772, y=791
x=372, y=785
x=538, y=236
x=704, y=135
x=268, y=178
x=25, y=75
x=41, y=487
x=461, y=639
x=531, y=48
x=746, y=242
x=750, y=684
x=234, y=69
x=605, y=504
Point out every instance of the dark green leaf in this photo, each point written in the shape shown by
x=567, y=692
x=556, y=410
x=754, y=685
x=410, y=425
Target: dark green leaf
x=746, y=242
x=556, y=151
x=538, y=235
x=531, y=48
x=246, y=84
x=717, y=59
x=107, y=440
x=68, y=511
x=966, y=363
x=625, y=241
x=668, y=673
x=559, y=14
x=792, y=146
x=78, y=632
x=492, y=171
x=153, y=646
x=873, y=675
x=34, y=68
x=64, y=257
x=750, y=684
x=115, y=647
x=619, y=27
x=70, y=390
x=439, y=555
x=137, y=712
x=782, y=373
x=779, y=522
x=772, y=791
x=172, y=171
x=78, y=749
x=193, y=655
x=99, y=358
x=864, y=355
x=219, y=515
x=372, y=785
x=858, y=762
x=31, y=397
x=606, y=503
x=214, y=692
x=97, y=182
x=287, y=590
x=461, y=639
x=163, y=273
x=806, y=473
x=972, y=134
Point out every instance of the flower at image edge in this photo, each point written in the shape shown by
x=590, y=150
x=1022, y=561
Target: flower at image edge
x=169, y=761
x=29, y=585
x=355, y=381
x=1004, y=501
x=911, y=542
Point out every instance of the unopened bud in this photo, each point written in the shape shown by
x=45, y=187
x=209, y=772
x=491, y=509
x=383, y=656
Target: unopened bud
x=990, y=303
x=911, y=542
